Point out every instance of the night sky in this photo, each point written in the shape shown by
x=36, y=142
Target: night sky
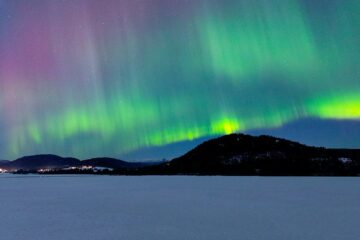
x=151, y=78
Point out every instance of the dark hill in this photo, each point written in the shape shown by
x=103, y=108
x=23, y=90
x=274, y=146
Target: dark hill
x=42, y=161
x=3, y=163
x=239, y=154
x=36, y=162
x=235, y=154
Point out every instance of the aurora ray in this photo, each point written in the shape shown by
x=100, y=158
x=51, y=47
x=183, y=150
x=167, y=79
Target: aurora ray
x=91, y=78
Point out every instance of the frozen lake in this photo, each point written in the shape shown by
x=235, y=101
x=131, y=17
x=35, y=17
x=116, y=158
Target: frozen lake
x=178, y=207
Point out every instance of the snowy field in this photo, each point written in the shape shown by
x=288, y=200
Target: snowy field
x=178, y=207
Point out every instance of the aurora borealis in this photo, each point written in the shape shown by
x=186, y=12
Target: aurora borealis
x=90, y=78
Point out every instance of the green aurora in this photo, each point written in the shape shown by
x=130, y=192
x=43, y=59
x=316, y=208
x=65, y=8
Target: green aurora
x=128, y=75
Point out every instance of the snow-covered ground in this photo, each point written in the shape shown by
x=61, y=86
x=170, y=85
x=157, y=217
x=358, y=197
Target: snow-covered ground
x=178, y=207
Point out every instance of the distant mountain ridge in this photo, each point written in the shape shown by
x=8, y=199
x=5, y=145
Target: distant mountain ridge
x=50, y=161
x=234, y=154
x=114, y=163
x=41, y=161
x=36, y=162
